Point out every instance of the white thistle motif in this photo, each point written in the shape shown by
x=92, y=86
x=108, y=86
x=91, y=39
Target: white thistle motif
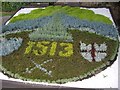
x=93, y=52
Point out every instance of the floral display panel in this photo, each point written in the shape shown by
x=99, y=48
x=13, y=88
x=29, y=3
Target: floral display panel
x=58, y=44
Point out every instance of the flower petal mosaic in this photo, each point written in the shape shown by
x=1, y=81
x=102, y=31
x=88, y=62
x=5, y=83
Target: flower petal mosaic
x=58, y=44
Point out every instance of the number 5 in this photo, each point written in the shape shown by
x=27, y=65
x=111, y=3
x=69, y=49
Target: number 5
x=43, y=49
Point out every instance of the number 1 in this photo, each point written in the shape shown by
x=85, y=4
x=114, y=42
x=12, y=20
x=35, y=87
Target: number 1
x=53, y=48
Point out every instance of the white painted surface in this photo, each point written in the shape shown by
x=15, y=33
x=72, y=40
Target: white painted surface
x=22, y=11
x=98, y=81
x=25, y=11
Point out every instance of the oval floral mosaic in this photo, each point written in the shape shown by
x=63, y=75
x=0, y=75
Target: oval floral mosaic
x=57, y=44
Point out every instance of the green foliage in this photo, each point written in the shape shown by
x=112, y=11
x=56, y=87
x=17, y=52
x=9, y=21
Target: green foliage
x=12, y=6
x=72, y=11
x=6, y=13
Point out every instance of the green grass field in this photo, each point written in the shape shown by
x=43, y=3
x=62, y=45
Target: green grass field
x=72, y=11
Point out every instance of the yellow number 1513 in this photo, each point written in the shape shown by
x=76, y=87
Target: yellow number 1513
x=43, y=48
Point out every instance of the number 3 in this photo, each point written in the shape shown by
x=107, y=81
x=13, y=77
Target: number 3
x=68, y=49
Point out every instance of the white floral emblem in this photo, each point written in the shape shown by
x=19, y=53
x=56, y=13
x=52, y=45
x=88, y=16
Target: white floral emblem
x=93, y=52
